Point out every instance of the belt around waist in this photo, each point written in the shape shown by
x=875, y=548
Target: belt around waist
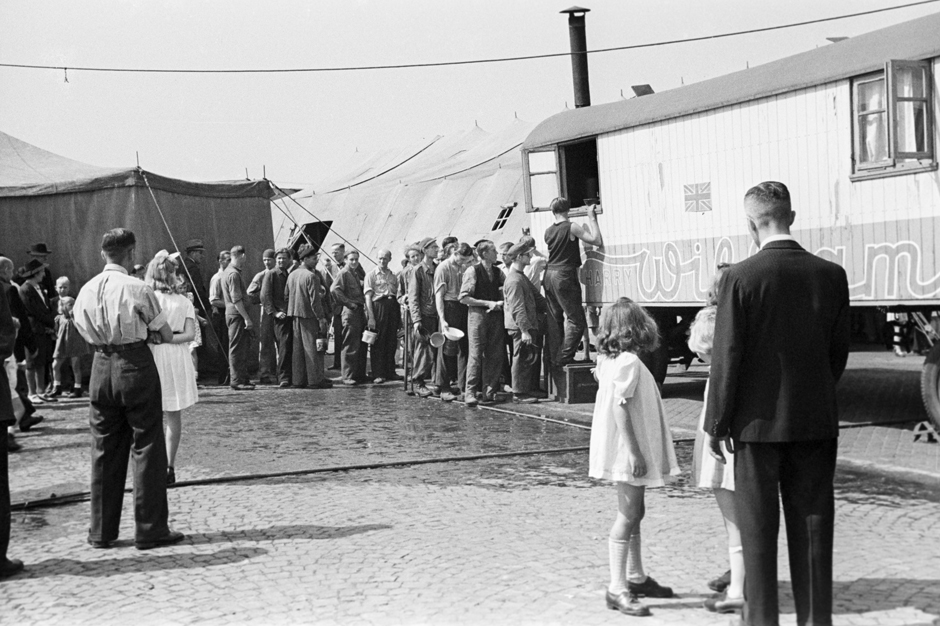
x=124, y=347
x=385, y=297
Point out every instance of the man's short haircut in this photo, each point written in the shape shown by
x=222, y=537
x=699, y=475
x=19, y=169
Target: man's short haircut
x=353, y=251
x=449, y=249
x=5, y=263
x=483, y=245
x=505, y=247
x=560, y=205
x=117, y=241
x=238, y=250
x=222, y=254
x=284, y=251
x=448, y=240
x=62, y=279
x=338, y=245
x=464, y=249
x=770, y=202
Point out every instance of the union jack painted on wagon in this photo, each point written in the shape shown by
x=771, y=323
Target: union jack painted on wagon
x=698, y=197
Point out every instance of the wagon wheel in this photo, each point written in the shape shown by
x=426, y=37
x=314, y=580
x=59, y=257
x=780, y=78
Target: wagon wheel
x=930, y=384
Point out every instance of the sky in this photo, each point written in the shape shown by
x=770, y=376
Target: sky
x=296, y=128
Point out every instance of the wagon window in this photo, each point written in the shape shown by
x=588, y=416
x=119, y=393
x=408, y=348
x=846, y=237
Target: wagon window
x=892, y=121
x=580, y=172
x=543, y=179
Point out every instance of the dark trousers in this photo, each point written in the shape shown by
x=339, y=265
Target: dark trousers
x=353, y=355
x=387, y=320
x=239, y=349
x=563, y=293
x=337, y=340
x=802, y=473
x=525, y=361
x=425, y=355
x=452, y=356
x=487, y=352
x=6, y=419
x=126, y=417
x=267, y=353
x=221, y=345
x=284, y=336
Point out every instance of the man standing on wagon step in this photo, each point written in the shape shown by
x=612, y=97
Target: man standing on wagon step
x=781, y=344
x=115, y=313
x=562, y=287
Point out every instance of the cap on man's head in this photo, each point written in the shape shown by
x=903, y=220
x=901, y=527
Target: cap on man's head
x=306, y=250
x=39, y=248
x=427, y=241
x=338, y=245
x=32, y=268
x=519, y=248
x=195, y=244
x=117, y=240
x=268, y=254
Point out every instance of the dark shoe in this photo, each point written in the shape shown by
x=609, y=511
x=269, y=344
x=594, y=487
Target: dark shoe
x=55, y=393
x=721, y=583
x=284, y=385
x=267, y=381
x=170, y=476
x=75, y=393
x=423, y=392
x=48, y=398
x=626, y=603
x=538, y=393
x=326, y=384
x=523, y=398
x=100, y=545
x=243, y=387
x=448, y=397
x=723, y=604
x=650, y=588
x=472, y=399
x=12, y=446
x=10, y=567
x=28, y=421
x=487, y=399
x=167, y=540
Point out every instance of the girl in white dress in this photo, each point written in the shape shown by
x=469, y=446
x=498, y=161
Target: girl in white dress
x=174, y=364
x=709, y=473
x=631, y=445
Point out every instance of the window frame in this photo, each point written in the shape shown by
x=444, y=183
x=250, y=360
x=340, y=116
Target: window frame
x=896, y=163
x=529, y=174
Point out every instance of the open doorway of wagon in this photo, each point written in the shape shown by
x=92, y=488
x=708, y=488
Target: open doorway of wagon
x=312, y=232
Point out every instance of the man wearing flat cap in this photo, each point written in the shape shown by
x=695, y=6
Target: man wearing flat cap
x=306, y=308
x=424, y=319
x=267, y=354
x=196, y=284
x=42, y=322
x=523, y=309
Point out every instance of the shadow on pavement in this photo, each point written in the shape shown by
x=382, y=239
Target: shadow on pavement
x=870, y=595
x=688, y=389
x=138, y=563
x=292, y=531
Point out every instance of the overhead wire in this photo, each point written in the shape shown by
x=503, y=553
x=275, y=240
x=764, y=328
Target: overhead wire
x=527, y=57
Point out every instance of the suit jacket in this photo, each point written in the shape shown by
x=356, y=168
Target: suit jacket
x=41, y=317
x=7, y=339
x=24, y=338
x=781, y=344
x=303, y=293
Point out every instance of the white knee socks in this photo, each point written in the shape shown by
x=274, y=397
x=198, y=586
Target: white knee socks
x=736, y=560
x=617, y=550
x=635, y=572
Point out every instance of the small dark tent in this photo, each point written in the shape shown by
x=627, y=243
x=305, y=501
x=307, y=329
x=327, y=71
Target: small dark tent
x=68, y=205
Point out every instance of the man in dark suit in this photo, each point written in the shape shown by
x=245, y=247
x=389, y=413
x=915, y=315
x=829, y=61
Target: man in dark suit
x=781, y=344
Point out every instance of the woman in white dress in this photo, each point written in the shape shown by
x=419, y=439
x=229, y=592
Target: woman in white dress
x=174, y=364
x=708, y=473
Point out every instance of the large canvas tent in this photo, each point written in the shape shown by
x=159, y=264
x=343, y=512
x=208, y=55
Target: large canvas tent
x=457, y=185
x=69, y=205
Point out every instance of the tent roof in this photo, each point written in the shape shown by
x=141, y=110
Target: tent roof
x=26, y=170
x=913, y=40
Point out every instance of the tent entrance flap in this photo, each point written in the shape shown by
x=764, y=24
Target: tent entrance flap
x=313, y=232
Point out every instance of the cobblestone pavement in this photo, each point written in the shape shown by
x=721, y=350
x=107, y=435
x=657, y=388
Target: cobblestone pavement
x=515, y=540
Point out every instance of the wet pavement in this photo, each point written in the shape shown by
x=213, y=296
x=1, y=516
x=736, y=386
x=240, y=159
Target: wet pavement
x=511, y=540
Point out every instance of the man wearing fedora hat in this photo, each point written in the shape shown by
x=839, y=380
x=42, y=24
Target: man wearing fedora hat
x=310, y=318
x=42, y=322
x=40, y=252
